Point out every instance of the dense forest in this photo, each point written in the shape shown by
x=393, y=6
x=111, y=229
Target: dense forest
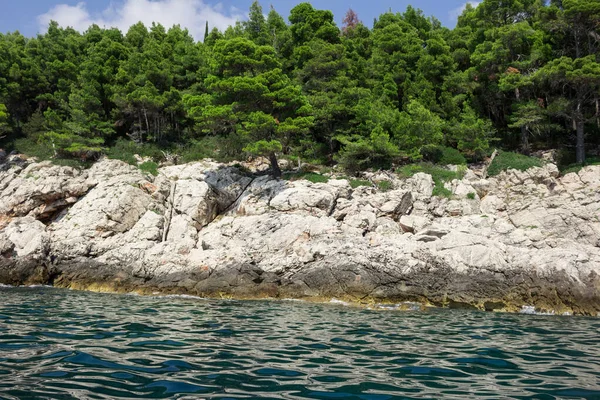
x=520, y=75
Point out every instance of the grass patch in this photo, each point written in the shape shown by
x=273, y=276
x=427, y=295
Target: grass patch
x=443, y=155
x=436, y=172
x=384, y=186
x=309, y=176
x=45, y=153
x=471, y=196
x=150, y=167
x=589, y=160
x=354, y=183
x=507, y=160
x=440, y=191
x=200, y=149
x=125, y=150
x=220, y=148
x=440, y=176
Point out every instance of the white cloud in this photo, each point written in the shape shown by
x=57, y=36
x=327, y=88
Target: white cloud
x=190, y=14
x=454, y=14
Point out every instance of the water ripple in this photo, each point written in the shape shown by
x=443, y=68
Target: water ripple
x=71, y=345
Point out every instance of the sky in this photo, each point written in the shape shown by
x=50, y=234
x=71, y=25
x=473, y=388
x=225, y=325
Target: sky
x=32, y=16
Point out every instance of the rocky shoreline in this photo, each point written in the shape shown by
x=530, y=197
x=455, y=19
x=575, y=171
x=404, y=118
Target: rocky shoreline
x=207, y=229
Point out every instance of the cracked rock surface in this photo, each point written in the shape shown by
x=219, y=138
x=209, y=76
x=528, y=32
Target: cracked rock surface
x=519, y=239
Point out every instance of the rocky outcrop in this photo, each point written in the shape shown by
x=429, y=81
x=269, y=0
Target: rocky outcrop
x=519, y=239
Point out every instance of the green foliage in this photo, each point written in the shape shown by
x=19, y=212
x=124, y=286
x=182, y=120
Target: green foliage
x=472, y=134
x=471, y=196
x=263, y=147
x=442, y=155
x=506, y=160
x=418, y=127
x=33, y=148
x=384, y=186
x=451, y=156
x=354, y=183
x=67, y=145
x=43, y=152
x=360, y=153
x=196, y=150
x=439, y=190
x=439, y=175
x=575, y=167
x=523, y=73
x=149, y=166
x=3, y=118
x=309, y=176
x=125, y=150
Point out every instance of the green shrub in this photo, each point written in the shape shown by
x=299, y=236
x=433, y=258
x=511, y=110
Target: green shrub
x=451, y=156
x=571, y=168
x=65, y=144
x=124, y=155
x=436, y=172
x=43, y=152
x=360, y=153
x=124, y=150
x=440, y=191
x=219, y=148
x=150, y=167
x=34, y=149
x=309, y=176
x=442, y=155
x=384, y=186
x=574, y=167
x=198, y=150
x=354, y=183
x=325, y=170
x=506, y=160
x=471, y=196
x=432, y=153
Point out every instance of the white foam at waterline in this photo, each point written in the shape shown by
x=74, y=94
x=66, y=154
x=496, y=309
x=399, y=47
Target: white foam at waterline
x=405, y=306
x=3, y=286
x=183, y=296
x=156, y=295
x=36, y=286
x=530, y=310
x=336, y=301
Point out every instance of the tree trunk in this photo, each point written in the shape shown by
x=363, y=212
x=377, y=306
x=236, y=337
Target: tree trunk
x=580, y=148
x=147, y=124
x=597, y=112
x=524, y=134
x=140, y=138
x=579, y=126
x=157, y=122
x=524, y=140
x=275, y=170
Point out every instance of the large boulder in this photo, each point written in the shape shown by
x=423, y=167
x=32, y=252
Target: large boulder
x=40, y=190
x=24, y=237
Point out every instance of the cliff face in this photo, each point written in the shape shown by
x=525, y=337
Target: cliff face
x=520, y=239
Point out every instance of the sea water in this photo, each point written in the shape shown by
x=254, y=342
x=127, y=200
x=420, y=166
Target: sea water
x=61, y=344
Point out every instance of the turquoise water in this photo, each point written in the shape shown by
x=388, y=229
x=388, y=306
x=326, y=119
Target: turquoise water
x=59, y=344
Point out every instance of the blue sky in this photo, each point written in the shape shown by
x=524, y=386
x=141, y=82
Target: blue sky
x=31, y=16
